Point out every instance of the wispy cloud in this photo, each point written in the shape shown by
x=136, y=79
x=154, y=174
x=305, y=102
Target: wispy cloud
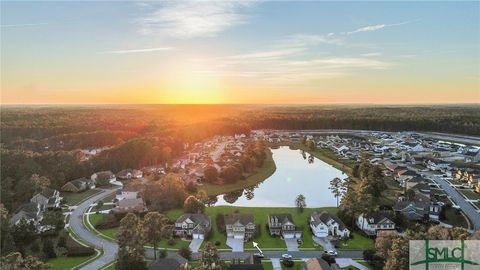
x=371, y=54
x=268, y=54
x=138, y=50
x=23, y=24
x=190, y=19
x=375, y=27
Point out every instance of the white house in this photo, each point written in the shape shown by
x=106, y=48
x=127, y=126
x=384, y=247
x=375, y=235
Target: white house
x=372, y=224
x=325, y=224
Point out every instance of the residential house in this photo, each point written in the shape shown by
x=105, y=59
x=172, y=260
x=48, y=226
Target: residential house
x=318, y=264
x=123, y=194
x=30, y=212
x=128, y=174
x=282, y=225
x=403, y=175
x=326, y=224
x=421, y=207
x=103, y=176
x=47, y=199
x=240, y=226
x=136, y=205
x=78, y=185
x=193, y=225
x=374, y=223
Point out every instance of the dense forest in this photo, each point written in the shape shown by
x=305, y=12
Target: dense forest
x=48, y=141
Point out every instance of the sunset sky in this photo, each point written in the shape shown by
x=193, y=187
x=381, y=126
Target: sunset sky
x=240, y=52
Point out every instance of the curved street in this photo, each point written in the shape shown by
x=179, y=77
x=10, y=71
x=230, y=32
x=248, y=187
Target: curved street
x=76, y=224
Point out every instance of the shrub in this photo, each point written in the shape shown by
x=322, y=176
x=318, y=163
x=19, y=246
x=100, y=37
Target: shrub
x=288, y=263
x=220, y=220
x=163, y=253
x=185, y=252
x=75, y=249
x=108, y=222
x=217, y=243
x=171, y=242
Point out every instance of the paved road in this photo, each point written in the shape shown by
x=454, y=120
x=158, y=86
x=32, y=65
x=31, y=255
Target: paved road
x=224, y=255
x=466, y=207
x=76, y=224
x=459, y=200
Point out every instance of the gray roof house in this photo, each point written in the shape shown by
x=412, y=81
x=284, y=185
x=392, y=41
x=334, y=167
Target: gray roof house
x=240, y=226
x=49, y=198
x=325, y=224
x=193, y=225
x=30, y=211
x=282, y=225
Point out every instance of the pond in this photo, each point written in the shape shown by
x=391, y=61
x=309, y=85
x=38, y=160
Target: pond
x=297, y=173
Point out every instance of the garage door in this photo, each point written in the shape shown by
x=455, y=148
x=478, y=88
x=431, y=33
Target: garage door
x=197, y=236
x=288, y=235
x=238, y=236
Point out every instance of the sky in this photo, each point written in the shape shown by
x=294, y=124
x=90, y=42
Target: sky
x=242, y=52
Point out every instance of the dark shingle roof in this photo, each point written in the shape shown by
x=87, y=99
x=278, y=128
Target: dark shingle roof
x=243, y=219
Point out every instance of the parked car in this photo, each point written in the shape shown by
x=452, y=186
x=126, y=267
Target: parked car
x=331, y=252
x=259, y=255
x=286, y=256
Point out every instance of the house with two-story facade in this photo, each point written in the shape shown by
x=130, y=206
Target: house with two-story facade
x=282, y=225
x=373, y=223
x=47, y=199
x=195, y=226
x=240, y=226
x=325, y=224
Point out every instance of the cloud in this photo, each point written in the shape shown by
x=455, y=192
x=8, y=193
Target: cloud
x=190, y=19
x=268, y=54
x=371, y=54
x=23, y=24
x=138, y=50
x=371, y=28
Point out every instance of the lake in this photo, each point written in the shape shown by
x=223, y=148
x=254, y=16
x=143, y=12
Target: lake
x=297, y=173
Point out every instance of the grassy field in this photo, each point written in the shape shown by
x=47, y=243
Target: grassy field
x=62, y=263
x=267, y=265
x=472, y=195
x=73, y=198
x=260, y=175
x=455, y=218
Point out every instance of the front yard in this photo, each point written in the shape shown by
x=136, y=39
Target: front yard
x=72, y=198
x=266, y=242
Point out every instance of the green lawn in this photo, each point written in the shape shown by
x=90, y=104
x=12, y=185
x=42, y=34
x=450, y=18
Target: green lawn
x=260, y=175
x=72, y=198
x=265, y=240
x=62, y=263
x=296, y=266
x=358, y=242
x=472, y=195
x=261, y=213
x=267, y=265
x=455, y=218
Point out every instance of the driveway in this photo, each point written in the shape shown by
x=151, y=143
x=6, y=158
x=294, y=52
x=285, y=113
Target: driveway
x=324, y=242
x=235, y=244
x=276, y=264
x=195, y=244
x=345, y=262
x=292, y=244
